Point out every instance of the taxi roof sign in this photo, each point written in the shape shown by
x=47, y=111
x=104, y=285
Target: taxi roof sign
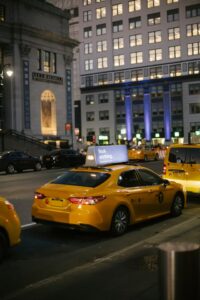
x=104, y=155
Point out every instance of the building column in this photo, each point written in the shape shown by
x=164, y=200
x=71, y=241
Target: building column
x=147, y=114
x=129, y=115
x=167, y=112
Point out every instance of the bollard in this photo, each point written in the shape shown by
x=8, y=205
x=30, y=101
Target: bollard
x=179, y=271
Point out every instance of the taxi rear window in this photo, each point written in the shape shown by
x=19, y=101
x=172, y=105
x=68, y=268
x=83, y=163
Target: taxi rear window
x=88, y=179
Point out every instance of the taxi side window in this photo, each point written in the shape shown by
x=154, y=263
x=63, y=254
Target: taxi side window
x=177, y=155
x=193, y=156
x=149, y=178
x=128, y=179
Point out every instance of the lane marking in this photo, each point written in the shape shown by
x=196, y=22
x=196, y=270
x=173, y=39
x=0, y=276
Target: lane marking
x=28, y=225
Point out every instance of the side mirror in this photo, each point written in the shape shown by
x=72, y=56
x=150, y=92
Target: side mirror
x=166, y=182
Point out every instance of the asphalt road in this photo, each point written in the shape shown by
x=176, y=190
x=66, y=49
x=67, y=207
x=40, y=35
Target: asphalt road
x=55, y=263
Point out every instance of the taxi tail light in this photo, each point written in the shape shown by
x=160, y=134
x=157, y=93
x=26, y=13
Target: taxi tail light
x=87, y=200
x=39, y=196
x=9, y=205
x=164, y=169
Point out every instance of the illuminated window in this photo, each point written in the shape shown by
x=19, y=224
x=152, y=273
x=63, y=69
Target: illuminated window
x=172, y=1
x=100, y=12
x=156, y=72
x=87, y=2
x=136, y=57
x=193, y=29
x=193, y=49
x=155, y=54
x=118, y=43
x=88, y=64
x=153, y=19
x=174, y=51
x=153, y=3
x=48, y=113
x=194, y=67
x=102, y=79
x=87, y=16
x=137, y=75
x=135, y=40
x=155, y=37
x=117, y=9
x=88, y=48
x=119, y=77
x=101, y=46
x=47, y=61
x=101, y=29
x=102, y=62
x=134, y=5
x=118, y=60
x=175, y=70
x=174, y=33
x=89, y=99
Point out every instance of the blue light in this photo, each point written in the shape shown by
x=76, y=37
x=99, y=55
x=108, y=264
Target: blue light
x=167, y=115
x=147, y=116
x=129, y=121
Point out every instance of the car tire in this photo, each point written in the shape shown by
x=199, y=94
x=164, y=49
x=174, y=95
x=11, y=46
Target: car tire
x=120, y=221
x=3, y=245
x=10, y=169
x=38, y=166
x=177, y=206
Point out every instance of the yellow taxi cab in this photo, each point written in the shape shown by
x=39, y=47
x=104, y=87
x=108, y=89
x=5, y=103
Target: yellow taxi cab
x=142, y=153
x=10, y=227
x=107, y=194
x=182, y=164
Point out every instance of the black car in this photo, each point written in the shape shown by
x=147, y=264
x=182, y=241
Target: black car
x=63, y=158
x=11, y=161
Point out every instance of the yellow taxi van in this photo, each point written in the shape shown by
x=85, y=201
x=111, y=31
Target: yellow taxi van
x=182, y=164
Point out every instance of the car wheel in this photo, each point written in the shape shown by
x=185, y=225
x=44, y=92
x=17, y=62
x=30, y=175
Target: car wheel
x=38, y=166
x=10, y=169
x=3, y=245
x=120, y=221
x=177, y=206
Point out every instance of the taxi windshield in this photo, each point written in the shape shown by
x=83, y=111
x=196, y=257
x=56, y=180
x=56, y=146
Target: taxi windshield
x=88, y=179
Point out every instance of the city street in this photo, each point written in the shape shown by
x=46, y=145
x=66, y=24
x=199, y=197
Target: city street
x=55, y=263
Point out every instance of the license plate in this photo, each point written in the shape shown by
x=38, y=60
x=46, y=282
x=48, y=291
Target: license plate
x=56, y=202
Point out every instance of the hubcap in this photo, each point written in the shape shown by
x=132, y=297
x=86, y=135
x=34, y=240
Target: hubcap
x=121, y=221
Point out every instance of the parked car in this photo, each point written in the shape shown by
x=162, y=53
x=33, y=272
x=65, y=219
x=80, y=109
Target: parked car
x=142, y=153
x=63, y=158
x=10, y=227
x=106, y=196
x=12, y=161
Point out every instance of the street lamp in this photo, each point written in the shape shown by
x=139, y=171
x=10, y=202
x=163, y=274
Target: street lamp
x=6, y=70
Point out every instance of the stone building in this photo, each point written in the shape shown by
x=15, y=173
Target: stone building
x=35, y=43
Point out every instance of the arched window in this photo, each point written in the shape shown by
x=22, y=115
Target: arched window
x=48, y=113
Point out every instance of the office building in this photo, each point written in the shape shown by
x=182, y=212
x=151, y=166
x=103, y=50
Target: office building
x=139, y=70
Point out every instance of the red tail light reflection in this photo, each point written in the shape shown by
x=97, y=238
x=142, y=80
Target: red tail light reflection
x=87, y=200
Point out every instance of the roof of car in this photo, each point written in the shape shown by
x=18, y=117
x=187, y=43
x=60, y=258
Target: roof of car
x=184, y=145
x=109, y=168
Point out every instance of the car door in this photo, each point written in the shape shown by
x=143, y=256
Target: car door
x=156, y=199
x=134, y=193
x=192, y=170
x=27, y=161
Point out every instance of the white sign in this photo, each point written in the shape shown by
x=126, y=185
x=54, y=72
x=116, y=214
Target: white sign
x=104, y=155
